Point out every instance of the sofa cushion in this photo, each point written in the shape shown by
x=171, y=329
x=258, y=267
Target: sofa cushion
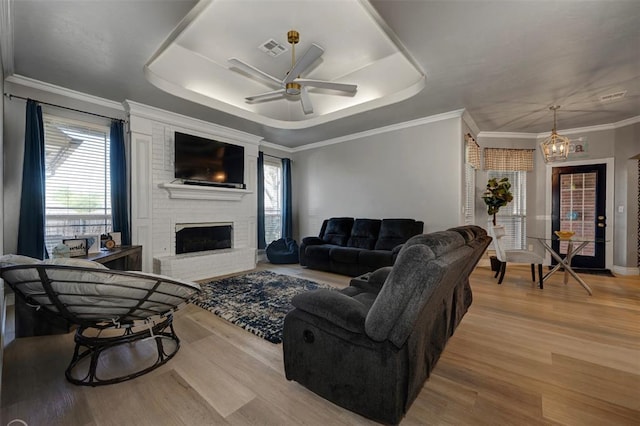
x=345, y=254
x=364, y=233
x=319, y=252
x=377, y=258
x=337, y=231
x=394, y=232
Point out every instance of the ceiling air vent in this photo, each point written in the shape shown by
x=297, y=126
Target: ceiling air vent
x=613, y=96
x=272, y=48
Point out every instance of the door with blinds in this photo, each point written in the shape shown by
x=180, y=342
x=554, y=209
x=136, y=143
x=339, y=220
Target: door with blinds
x=579, y=205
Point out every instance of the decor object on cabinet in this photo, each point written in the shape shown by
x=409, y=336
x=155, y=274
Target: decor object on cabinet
x=497, y=195
x=555, y=147
x=116, y=237
x=93, y=242
x=77, y=246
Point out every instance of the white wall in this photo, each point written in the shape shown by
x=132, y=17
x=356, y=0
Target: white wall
x=414, y=172
x=626, y=198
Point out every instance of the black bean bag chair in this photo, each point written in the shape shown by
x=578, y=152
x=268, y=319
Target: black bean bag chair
x=284, y=250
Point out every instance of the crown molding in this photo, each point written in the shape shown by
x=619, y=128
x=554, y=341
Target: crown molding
x=276, y=146
x=156, y=114
x=466, y=117
x=508, y=135
x=58, y=90
x=596, y=128
x=6, y=37
x=393, y=127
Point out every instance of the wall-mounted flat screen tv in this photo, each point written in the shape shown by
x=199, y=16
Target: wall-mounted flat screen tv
x=208, y=162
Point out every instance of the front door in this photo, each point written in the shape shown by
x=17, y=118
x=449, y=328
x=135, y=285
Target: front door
x=579, y=204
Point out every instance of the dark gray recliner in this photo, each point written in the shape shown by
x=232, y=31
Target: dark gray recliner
x=371, y=346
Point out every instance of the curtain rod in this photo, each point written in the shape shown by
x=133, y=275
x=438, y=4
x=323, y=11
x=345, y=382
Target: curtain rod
x=10, y=96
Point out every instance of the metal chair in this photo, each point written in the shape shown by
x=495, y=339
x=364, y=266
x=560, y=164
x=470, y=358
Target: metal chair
x=514, y=256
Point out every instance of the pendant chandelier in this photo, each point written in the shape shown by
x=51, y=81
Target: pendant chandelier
x=555, y=147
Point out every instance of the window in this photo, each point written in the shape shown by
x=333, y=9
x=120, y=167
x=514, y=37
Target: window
x=513, y=216
x=272, y=200
x=78, y=194
x=470, y=194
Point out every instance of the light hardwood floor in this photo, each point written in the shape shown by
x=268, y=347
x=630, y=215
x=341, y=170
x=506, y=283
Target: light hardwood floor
x=522, y=356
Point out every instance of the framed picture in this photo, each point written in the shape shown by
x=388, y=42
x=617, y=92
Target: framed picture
x=77, y=246
x=116, y=237
x=93, y=242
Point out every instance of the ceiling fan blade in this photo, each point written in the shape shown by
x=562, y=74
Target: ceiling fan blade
x=251, y=70
x=351, y=88
x=309, y=57
x=307, y=107
x=266, y=96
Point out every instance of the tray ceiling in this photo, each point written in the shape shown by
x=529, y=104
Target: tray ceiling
x=193, y=63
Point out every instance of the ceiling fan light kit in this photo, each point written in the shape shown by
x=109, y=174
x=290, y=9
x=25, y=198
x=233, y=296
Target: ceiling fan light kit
x=555, y=147
x=292, y=84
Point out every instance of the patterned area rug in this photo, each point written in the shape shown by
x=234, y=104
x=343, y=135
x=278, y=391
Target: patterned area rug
x=257, y=302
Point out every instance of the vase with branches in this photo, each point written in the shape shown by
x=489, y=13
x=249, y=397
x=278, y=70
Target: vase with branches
x=498, y=194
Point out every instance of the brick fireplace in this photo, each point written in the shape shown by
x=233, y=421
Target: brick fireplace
x=161, y=207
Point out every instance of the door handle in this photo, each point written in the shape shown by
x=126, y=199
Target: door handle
x=602, y=217
x=601, y=225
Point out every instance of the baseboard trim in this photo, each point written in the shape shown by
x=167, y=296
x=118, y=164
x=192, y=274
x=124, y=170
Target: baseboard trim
x=625, y=270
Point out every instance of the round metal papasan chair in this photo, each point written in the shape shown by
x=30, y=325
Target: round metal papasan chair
x=110, y=308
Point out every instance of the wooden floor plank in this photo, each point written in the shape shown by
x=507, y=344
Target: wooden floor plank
x=520, y=356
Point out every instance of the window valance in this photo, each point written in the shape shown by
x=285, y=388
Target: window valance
x=508, y=159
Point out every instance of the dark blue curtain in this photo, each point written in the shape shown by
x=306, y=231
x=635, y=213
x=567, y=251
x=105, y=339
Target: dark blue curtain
x=119, y=193
x=287, y=215
x=261, y=232
x=32, y=201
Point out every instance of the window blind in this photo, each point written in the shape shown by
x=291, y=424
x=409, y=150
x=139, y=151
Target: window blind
x=513, y=216
x=470, y=195
x=272, y=201
x=78, y=200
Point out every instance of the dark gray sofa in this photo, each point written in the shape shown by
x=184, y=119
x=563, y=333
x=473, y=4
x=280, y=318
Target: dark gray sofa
x=353, y=247
x=371, y=346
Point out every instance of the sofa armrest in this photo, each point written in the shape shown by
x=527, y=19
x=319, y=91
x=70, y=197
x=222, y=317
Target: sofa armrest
x=372, y=281
x=307, y=241
x=333, y=306
x=312, y=241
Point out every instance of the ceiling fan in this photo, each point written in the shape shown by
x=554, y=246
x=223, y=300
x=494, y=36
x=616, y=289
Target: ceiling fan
x=292, y=84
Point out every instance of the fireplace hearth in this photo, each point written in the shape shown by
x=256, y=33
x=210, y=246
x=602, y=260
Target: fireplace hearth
x=196, y=237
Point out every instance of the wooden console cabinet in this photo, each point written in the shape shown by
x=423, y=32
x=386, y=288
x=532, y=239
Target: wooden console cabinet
x=124, y=258
x=29, y=322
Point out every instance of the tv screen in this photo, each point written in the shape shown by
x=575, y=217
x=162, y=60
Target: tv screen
x=200, y=160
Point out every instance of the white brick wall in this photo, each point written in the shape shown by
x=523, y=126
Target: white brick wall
x=167, y=212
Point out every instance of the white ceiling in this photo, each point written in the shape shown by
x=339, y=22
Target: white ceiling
x=358, y=50
x=504, y=61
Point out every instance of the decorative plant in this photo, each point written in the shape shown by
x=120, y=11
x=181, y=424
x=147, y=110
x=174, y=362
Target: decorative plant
x=497, y=195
